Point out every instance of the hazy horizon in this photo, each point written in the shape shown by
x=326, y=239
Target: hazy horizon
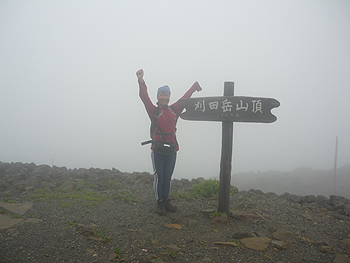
x=69, y=93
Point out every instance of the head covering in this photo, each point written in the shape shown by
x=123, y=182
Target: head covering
x=165, y=89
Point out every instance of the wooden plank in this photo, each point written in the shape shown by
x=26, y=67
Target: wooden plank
x=229, y=108
x=226, y=157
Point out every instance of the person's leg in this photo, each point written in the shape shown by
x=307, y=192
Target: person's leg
x=158, y=167
x=168, y=172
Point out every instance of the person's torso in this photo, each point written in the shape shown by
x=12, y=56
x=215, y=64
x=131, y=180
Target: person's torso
x=166, y=121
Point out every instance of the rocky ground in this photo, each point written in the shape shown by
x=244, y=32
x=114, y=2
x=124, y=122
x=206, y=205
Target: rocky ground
x=51, y=214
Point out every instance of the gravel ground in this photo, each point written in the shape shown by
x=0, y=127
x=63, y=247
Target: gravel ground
x=79, y=233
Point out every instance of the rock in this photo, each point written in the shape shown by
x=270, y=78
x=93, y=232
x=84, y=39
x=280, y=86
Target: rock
x=323, y=201
x=308, y=199
x=281, y=244
x=346, y=244
x=220, y=219
x=198, y=180
x=272, y=229
x=17, y=208
x=307, y=217
x=346, y=209
x=7, y=222
x=112, y=256
x=341, y=259
x=174, y=247
x=257, y=192
x=325, y=249
x=292, y=198
x=256, y=243
x=176, y=226
x=232, y=244
x=271, y=195
x=284, y=235
x=260, y=233
x=337, y=200
x=246, y=216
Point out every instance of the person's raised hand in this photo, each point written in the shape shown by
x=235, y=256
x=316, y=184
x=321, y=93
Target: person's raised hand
x=139, y=74
x=198, y=87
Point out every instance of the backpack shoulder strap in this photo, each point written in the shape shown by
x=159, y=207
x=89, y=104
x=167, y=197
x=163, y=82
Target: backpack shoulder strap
x=154, y=121
x=173, y=109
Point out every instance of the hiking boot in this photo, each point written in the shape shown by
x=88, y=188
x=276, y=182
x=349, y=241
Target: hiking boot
x=169, y=207
x=160, y=208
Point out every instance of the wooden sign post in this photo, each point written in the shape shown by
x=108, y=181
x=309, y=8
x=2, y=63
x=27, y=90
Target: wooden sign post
x=228, y=109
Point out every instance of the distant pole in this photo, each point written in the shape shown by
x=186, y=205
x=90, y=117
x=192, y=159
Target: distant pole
x=226, y=157
x=335, y=166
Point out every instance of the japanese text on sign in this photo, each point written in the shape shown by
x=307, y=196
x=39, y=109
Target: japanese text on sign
x=226, y=106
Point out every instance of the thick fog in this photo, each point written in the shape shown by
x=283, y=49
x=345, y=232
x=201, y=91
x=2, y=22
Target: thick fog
x=69, y=93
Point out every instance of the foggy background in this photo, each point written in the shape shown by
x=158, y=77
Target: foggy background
x=69, y=93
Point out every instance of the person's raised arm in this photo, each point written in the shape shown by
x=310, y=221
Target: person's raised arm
x=144, y=94
x=188, y=94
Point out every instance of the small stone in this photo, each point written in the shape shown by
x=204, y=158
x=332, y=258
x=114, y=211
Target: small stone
x=284, y=235
x=341, y=259
x=281, y=244
x=112, y=256
x=272, y=229
x=246, y=216
x=174, y=247
x=232, y=244
x=307, y=217
x=346, y=244
x=176, y=226
x=89, y=251
x=325, y=249
x=256, y=243
x=220, y=219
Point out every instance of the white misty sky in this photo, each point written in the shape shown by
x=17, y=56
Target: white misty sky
x=69, y=93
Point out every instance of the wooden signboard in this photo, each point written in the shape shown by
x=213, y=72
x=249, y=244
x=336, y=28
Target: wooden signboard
x=228, y=109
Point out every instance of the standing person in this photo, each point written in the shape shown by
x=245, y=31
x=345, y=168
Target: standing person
x=164, y=144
